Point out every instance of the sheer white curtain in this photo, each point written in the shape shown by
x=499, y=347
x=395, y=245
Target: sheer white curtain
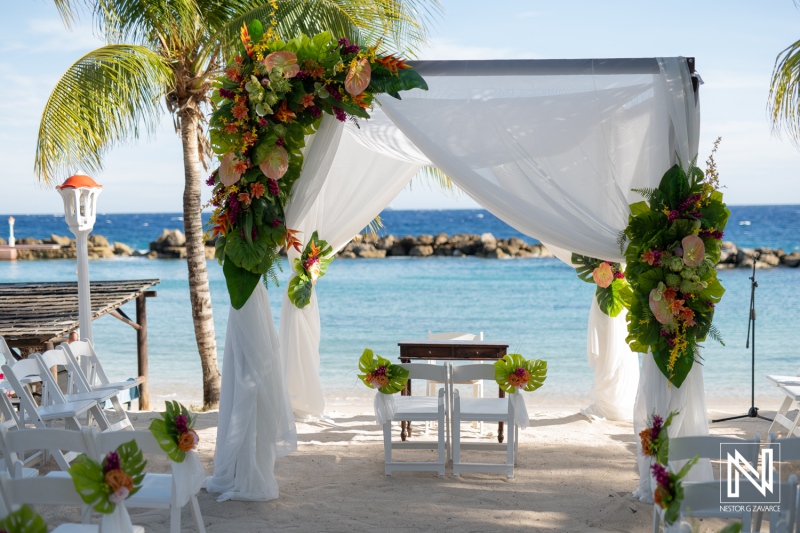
x=255, y=424
x=352, y=191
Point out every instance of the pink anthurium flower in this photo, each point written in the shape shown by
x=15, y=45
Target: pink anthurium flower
x=358, y=78
x=694, y=250
x=603, y=275
x=276, y=163
x=660, y=306
x=228, y=174
x=284, y=60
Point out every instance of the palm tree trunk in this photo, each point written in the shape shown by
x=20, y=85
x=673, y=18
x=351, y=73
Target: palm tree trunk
x=199, y=290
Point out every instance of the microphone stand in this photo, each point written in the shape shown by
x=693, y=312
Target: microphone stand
x=751, y=327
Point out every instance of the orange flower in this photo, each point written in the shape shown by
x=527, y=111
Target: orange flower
x=240, y=166
x=117, y=479
x=239, y=60
x=307, y=100
x=392, y=64
x=245, y=35
x=670, y=293
x=244, y=198
x=659, y=495
x=676, y=306
x=291, y=241
x=315, y=250
x=231, y=128
x=369, y=377
x=249, y=138
x=240, y=111
x=188, y=440
x=649, y=257
x=646, y=436
x=360, y=99
x=313, y=68
x=232, y=74
x=256, y=190
x=688, y=316
x=382, y=380
x=513, y=380
x=283, y=114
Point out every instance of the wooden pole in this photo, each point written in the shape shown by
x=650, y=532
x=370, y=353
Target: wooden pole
x=141, y=351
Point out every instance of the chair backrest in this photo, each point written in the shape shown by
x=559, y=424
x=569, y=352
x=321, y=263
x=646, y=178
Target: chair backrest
x=14, y=443
x=9, y=355
x=463, y=373
x=23, y=372
x=84, y=351
x=38, y=490
x=708, y=447
x=455, y=336
x=104, y=442
x=51, y=392
x=436, y=373
x=790, y=447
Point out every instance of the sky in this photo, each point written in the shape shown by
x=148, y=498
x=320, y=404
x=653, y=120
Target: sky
x=734, y=42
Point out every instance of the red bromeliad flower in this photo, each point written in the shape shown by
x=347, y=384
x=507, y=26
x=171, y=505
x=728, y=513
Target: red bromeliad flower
x=245, y=36
x=232, y=73
x=392, y=64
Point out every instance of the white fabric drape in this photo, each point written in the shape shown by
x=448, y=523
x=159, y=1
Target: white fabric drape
x=188, y=476
x=358, y=184
x=117, y=521
x=255, y=424
x=615, y=366
x=385, y=407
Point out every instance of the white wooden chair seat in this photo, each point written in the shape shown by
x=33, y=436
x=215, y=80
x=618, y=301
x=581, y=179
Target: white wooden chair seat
x=783, y=380
x=26, y=471
x=416, y=407
x=485, y=409
x=120, y=385
x=63, y=410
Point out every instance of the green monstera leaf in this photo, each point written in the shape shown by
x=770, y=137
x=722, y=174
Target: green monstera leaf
x=503, y=368
x=23, y=520
x=89, y=480
x=240, y=282
x=616, y=297
x=369, y=362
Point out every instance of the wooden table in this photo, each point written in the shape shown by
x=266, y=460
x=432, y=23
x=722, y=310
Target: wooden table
x=416, y=350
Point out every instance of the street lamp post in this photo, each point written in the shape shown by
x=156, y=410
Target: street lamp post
x=11, y=240
x=80, y=194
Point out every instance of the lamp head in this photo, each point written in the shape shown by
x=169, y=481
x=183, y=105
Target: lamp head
x=80, y=193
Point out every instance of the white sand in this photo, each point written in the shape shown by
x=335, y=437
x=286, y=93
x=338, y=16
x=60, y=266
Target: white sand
x=572, y=475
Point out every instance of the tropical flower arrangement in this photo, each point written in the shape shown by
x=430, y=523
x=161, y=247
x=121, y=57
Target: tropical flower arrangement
x=669, y=489
x=513, y=372
x=23, y=520
x=655, y=439
x=613, y=290
x=379, y=373
x=105, y=485
x=673, y=244
x=312, y=265
x=272, y=96
x=174, y=431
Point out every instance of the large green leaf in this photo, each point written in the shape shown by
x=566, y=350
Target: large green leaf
x=240, y=282
x=89, y=480
x=164, y=431
x=584, y=266
x=537, y=369
x=385, y=82
x=300, y=289
x=23, y=520
x=370, y=361
x=614, y=298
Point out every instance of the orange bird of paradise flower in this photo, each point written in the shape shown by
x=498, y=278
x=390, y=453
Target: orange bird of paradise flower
x=290, y=241
x=245, y=35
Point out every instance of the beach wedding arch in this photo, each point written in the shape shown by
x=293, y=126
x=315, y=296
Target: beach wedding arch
x=673, y=243
x=271, y=97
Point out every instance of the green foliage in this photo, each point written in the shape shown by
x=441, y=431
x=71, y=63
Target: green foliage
x=612, y=299
x=370, y=362
x=89, y=479
x=503, y=368
x=240, y=282
x=163, y=429
x=311, y=265
x=23, y=520
x=672, y=510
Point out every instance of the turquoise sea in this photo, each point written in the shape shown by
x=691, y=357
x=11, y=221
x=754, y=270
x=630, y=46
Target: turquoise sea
x=538, y=305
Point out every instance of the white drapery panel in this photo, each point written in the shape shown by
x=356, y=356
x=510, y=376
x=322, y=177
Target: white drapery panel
x=358, y=184
x=255, y=425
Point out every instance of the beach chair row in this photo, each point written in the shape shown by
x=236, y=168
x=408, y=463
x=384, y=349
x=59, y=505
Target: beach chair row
x=158, y=491
x=449, y=410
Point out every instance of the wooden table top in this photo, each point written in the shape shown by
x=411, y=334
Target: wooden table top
x=454, y=350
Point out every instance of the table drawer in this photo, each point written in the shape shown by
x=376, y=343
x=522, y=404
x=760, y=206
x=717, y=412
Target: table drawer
x=427, y=352
x=479, y=353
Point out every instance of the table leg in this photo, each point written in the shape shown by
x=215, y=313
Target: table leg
x=500, y=435
x=405, y=427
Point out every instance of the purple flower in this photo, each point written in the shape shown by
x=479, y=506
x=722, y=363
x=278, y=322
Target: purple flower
x=341, y=116
x=334, y=93
x=111, y=462
x=344, y=42
x=684, y=205
x=696, y=214
x=315, y=111
x=301, y=75
x=210, y=180
x=262, y=122
x=181, y=424
x=673, y=215
x=657, y=423
x=619, y=275
x=678, y=252
x=661, y=474
x=381, y=371
x=227, y=93
x=276, y=222
x=280, y=142
x=352, y=49
x=274, y=188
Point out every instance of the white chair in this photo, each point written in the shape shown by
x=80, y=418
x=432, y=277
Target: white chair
x=421, y=409
x=46, y=491
x=42, y=417
x=477, y=386
x=789, y=451
x=707, y=447
x=96, y=378
x=482, y=410
x=77, y=386
x=8, y=355
x=158, y=490
x=790, y=388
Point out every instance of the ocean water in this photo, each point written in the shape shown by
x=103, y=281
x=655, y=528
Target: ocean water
x=537, y=305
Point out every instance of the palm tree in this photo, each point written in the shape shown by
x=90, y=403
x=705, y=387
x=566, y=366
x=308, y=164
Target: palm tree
x=170, y=51
x=784, y=92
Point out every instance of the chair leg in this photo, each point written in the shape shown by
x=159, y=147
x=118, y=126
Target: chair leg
x=198, y=518
x=100, y=417
x=510, y=457
x=782, y=411
x=656, y=519
x=174, y=518
x=457, y=436
x=387, y=447
x=124, y=421
x=442, y=458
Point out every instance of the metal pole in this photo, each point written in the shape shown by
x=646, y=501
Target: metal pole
x=84, y=294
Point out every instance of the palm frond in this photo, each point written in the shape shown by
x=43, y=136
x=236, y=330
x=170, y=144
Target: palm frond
x=70, y=10
x=435, y=179
x=107, y=97
x=647, y=193
x=715, y=334
x=165, y=23
x=784, y=93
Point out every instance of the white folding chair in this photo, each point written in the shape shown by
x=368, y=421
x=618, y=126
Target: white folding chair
x=789, y=451
x=158, y=490
x=8, y=355
x=707, y=447
x=421, y=409
x=42, y=417
x=483, y=410
x=96, y=378
x=46, y=491
x=477, y=386
x=791, y=395
x=77, y=386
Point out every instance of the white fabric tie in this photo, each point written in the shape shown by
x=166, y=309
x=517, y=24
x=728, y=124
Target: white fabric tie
x=188, y=477
x=520, y=409
x=117, y=521
x=385, y=408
